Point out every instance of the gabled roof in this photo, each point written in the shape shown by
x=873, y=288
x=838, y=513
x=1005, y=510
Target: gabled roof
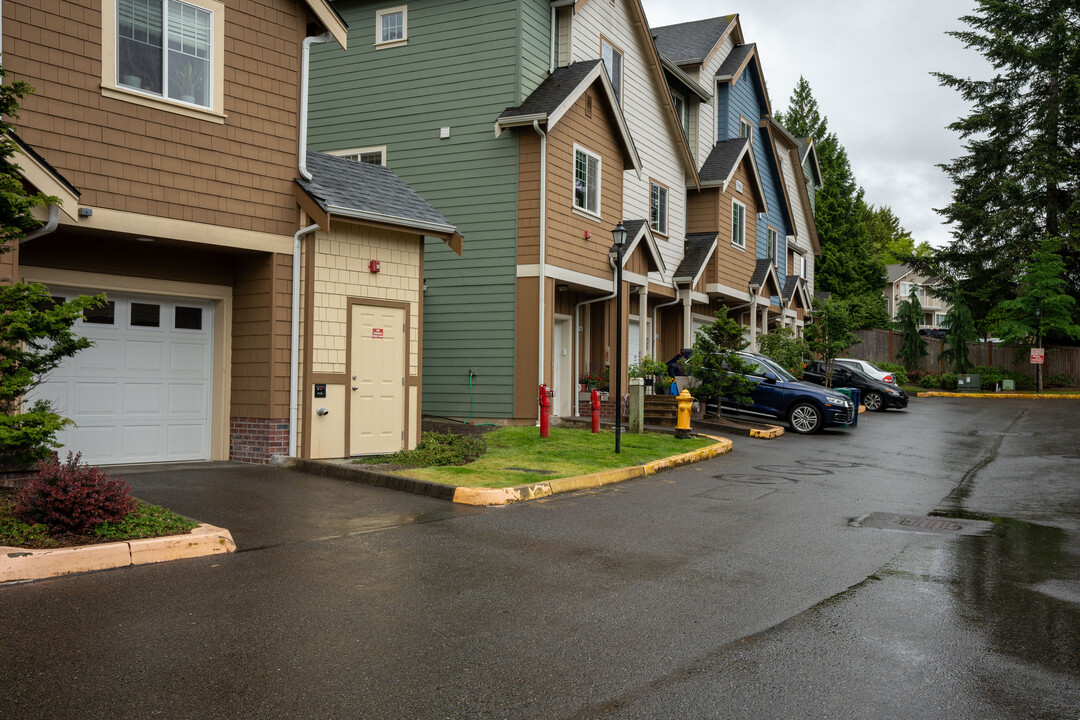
x=368, y=193
x=897, y=271
x=638, y=231
x=719, y=168
x=558, y=93
x=736, y=62
x=691, y=43
x=795, y=289
x=37, y=171
x=331, y=19
x=698, y=250
x=800, y=183
x=764, y=275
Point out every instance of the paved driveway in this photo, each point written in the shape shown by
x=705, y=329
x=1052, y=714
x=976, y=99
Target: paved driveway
x=264, y=506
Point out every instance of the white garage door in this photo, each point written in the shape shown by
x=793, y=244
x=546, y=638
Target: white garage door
x=142, y=393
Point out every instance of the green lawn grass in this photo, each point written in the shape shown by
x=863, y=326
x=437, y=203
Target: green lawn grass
x=564, y=454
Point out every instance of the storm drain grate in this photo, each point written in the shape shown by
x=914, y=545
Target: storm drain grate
x=921, y=523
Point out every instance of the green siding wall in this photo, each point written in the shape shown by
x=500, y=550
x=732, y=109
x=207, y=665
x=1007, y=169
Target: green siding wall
x=463, y=65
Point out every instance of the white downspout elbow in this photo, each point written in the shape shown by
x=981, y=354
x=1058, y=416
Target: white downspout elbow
x=294, y=343
x=305, y=68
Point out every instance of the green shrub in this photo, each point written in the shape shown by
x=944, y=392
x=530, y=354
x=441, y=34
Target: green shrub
x=434, y=449
x=147, y=521
x=1061, y=380
x=931, y=382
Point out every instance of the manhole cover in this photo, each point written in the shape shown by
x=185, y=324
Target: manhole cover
x=530, y=470
x=921, y=523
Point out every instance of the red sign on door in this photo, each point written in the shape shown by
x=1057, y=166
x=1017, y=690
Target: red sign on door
x=376, y=332
x=1037, y=356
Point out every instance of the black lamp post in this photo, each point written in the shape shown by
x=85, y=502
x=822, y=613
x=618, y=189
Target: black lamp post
x=619, y=235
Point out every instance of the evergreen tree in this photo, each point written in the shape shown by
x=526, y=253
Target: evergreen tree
x=960, y=330
x=849, y=264
x=1019, y=179
x=908, y=319
x=715, y=362
x=1043, y=307
x=830, y=333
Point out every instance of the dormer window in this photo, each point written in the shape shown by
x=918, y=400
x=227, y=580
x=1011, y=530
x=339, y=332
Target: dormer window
x=613, y=62
x=683, y=111
x=746, y=130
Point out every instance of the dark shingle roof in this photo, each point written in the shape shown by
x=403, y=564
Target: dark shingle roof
x=761, y=272
x=352, y=185
x=721, y=160
x=895, y=272
x=558, y=86
x=804, y=146
x=690, y=42
x=734, y=60
x=44, y=163
x=633, y=227
x=791, y=283
x=696, y=253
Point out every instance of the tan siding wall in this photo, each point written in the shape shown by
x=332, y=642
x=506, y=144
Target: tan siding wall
x=638, y=262
x=132, y=158
x=251, y=356
x=701, y=210
x=566, y=243
x=733, y=266
x=528, y=197
x=341, y=272
x=9, y=264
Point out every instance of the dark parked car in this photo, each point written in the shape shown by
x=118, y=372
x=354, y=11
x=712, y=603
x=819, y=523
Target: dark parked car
x=807, y=408
x=876, y=395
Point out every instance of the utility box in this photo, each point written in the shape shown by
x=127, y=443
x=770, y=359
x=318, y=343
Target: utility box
x=967, y=382
x=1008, y=385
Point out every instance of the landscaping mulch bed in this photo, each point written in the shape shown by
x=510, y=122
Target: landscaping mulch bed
x=441, y=425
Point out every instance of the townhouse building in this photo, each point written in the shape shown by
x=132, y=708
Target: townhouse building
x=261, y=300
x=902, y=279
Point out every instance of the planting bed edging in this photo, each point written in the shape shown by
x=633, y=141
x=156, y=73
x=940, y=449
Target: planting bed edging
x=24, y=564
x=1032, y=396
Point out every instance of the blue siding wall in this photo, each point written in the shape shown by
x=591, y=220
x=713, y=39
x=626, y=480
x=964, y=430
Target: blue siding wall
x=744, y=100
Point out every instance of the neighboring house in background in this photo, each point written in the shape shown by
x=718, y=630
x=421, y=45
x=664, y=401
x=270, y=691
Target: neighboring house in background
x=902, y=279
x=538, y=141
x=176, y=163
x=764, y=234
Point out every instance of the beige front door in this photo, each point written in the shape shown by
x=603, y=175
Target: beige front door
x=377, y=390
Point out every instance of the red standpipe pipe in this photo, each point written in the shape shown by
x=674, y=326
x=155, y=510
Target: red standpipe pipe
x=594, y=403
x=545, y=410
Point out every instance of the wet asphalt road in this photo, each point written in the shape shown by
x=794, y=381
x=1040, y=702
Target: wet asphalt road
x=737, y=588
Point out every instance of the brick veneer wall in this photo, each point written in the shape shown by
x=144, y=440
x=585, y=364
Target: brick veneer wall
x=607, y=409
x=255, y=440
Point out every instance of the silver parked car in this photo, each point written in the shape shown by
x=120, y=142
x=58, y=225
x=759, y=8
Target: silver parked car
x=869, y=368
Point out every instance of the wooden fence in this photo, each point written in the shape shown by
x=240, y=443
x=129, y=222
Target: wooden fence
x=882, y=346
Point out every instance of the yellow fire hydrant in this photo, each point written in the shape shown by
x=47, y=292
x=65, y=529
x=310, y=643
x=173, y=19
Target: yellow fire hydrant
x=682, y=423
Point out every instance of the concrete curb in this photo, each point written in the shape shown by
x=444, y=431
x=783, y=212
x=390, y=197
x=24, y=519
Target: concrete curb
x=505, y=496
x=19, y=564
x=1031, y=396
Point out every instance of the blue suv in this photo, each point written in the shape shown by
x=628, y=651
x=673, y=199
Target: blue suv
x=807, y=408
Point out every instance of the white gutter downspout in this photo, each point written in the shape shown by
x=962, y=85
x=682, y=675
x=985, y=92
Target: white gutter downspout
x=543, y=228
x=50, y=226
x=551, y=64
x=577, y=323
x=305, y=66
x=294, y=343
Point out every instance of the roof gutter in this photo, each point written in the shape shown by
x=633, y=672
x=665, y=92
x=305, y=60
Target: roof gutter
x=305, y=68
x=391, y=220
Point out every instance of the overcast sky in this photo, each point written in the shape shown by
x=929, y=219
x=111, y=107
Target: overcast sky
x=868, y=63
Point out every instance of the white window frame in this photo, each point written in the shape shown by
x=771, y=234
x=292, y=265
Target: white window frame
x=355, y=153
x=380, y=43
x=745, y=124
x=658, y=224
x=682, y=109
x=616, y=83
x=599, y=186
x=741, y=226
x=111, y=87
x=772, y=244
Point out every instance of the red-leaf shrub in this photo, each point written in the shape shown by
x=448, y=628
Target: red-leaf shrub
x=73, y=497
